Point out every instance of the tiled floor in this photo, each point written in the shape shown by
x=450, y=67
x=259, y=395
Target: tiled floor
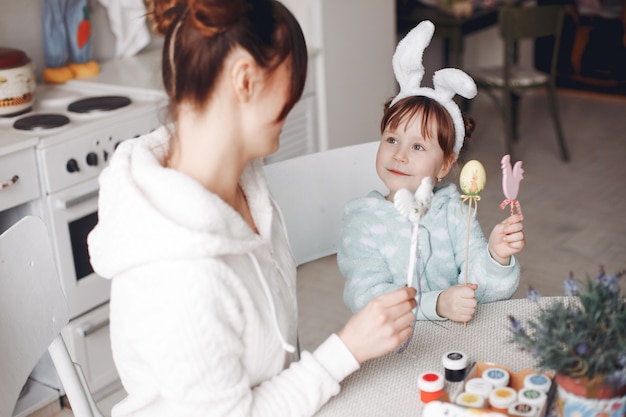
x=574, y=212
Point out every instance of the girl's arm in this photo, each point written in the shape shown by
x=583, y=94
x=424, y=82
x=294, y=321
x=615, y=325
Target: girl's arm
x=495, y=281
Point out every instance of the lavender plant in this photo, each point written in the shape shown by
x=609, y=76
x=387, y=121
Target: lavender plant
x=582, y=336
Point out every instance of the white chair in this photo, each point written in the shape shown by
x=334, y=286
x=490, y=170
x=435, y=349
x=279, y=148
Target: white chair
x=312, y=190
x=33, y=311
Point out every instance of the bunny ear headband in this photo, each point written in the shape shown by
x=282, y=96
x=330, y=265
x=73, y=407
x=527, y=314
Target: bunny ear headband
x=408, y=69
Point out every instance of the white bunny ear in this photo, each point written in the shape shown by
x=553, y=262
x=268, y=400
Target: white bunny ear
x=409, y=70
x=451, y=81
x=407, y=59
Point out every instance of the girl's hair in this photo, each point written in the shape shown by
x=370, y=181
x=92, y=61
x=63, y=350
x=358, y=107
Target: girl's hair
x=409, y=107
x=199, y=35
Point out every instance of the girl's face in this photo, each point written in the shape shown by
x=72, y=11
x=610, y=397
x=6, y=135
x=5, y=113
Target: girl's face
x=406, y=155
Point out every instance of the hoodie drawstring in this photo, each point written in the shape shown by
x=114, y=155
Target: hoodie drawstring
x=266, y=289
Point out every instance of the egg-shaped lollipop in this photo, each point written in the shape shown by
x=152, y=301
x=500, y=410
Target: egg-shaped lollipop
x=473, y=178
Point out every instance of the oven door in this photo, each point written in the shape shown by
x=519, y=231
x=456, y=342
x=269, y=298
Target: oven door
x=72, y=214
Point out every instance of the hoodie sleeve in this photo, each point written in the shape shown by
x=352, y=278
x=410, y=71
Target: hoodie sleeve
x=360, y=261
x=188, y=359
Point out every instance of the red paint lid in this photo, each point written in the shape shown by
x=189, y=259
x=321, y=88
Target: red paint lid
x=12, y=58
x=430, y=381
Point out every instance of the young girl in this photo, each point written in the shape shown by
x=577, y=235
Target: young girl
x=422, y=134
x=203, y=305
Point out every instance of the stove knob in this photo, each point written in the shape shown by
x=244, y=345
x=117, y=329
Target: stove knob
x=92, y=159
x=72, y=166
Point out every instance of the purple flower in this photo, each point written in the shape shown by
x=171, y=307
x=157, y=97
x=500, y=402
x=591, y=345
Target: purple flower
x=516, y=327
x=581, y=348
x=533, y=294
x=535, y=351
x=611, y=282
x=571, y=286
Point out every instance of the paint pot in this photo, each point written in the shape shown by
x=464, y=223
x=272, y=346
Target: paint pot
x=440, y=408
x=455, y=364
x=532, y=396
x=430, y=385
x=497, y=377
x=479, y=386
x=500, y=399
x=467, y=399
x=522, y=409
x=538, y=381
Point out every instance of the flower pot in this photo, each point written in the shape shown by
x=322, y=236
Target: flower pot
x=581, y=397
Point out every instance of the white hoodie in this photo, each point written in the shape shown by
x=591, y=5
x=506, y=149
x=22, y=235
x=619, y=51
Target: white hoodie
x=203, y=310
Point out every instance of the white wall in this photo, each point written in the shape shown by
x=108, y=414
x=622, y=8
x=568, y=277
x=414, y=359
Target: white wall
x=353, y=42
x=358, y=42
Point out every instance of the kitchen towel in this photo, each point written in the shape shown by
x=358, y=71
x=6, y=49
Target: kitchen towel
x=128, y=23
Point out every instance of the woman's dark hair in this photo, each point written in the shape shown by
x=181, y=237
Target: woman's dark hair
x=407, y=108
x=199, y=35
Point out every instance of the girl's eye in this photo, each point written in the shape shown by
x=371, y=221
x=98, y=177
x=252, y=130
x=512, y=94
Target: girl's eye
x=392, y=141
x=417, y=147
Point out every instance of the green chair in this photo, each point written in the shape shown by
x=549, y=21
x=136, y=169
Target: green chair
x=511, y=79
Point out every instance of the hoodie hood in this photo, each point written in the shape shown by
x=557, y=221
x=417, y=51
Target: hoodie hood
x=148, y=212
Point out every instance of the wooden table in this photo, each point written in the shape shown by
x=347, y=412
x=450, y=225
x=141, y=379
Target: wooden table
x=387, y=386
x=452, y=28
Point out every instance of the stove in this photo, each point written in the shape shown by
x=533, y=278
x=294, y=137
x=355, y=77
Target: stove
x=78, y=125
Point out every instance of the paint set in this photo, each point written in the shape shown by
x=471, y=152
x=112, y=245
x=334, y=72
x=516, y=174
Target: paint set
x=482, y=388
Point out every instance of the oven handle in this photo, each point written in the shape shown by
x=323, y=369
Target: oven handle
x=10, y=182
x=66, y=204
x=89, y=328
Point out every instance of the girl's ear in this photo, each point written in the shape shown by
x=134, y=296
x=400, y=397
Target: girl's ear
x=446, y=167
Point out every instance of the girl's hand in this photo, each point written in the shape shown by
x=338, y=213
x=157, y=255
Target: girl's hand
x=507, y=239
x=381, y=326
x=458, y=303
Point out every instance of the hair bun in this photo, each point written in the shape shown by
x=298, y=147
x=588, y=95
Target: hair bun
x=163, y=13
x=214, y=16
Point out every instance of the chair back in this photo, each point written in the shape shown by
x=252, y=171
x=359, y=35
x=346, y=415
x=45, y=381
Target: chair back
x=518, y=23
x=311, y=191
x=33, y=311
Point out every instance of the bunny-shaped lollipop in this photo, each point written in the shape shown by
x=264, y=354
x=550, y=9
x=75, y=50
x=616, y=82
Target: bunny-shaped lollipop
x=511, y=178
x=414, y=207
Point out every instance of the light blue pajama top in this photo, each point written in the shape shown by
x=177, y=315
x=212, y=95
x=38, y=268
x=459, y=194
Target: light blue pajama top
x=373, y=253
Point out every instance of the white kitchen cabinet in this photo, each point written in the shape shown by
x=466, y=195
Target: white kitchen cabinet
x=353, y=42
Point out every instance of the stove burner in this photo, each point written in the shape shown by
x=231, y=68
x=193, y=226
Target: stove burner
x=97, y=104
x=41, y=122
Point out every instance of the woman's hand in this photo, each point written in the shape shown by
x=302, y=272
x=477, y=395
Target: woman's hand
x=458, y=303
x=507, y=239
x=381, y=326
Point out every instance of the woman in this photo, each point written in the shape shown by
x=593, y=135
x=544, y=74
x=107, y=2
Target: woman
x=203, y=304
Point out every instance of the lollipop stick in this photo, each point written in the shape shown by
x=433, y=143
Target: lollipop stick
x=413, y=253
x=469, y=217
